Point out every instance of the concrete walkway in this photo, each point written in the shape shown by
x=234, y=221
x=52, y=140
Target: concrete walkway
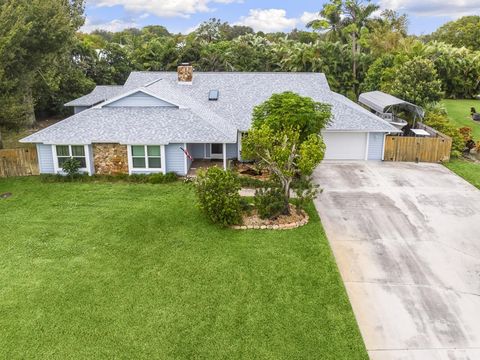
x=406, y=238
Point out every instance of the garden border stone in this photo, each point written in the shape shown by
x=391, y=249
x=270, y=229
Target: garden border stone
x=292, y=225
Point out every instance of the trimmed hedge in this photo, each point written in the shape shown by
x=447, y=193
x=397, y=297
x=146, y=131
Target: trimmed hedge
x=159, y=178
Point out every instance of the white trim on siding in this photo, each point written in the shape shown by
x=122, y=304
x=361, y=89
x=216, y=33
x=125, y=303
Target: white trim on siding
x=366, y=145
x=185, y=159
x=224, y=156
x=383, y=147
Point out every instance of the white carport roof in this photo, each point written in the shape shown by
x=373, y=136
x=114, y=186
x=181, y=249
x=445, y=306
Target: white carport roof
x=382, y=102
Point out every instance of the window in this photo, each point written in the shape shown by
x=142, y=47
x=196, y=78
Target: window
x=146, y=157
x=65, y=152
x=217, y=149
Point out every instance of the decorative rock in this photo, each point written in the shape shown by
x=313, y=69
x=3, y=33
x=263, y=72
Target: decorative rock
x=110, y=159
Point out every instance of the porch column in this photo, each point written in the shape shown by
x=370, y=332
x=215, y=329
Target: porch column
x=224, y=156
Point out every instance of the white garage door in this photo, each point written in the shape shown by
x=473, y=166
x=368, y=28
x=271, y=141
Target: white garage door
x=345, y=146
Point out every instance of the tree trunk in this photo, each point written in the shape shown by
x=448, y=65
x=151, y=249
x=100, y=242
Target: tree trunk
x=286, y=194
x=354, y=62
x=29, y=105
x=1, y=142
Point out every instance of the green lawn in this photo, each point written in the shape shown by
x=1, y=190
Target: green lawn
x=459, y=114
x=469, y=170
x=135, y=272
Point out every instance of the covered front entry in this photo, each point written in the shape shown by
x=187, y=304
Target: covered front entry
x=208, y=154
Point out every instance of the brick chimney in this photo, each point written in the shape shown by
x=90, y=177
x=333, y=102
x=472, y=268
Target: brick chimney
x=185, y=73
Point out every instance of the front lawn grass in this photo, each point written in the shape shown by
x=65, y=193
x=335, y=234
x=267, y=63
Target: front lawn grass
x=459, y=114
x=468, y=170
x=134, y=271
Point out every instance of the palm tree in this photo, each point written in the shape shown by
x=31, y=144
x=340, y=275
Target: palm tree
x=330, y=20
x=357, y=16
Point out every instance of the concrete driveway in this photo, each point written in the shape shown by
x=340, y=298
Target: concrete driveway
x=406, y=238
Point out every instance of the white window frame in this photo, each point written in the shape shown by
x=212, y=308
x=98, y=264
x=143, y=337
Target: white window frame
x=58, y=169
x=146, y=170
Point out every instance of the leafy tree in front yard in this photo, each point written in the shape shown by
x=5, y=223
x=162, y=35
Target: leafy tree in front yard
x=289, y=111
x=285, y=138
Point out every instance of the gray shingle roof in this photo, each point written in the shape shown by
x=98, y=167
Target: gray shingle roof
x=128, y=125
x=197, y=119
x=99, y=94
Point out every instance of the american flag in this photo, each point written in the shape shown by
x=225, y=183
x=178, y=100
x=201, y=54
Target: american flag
x=185, y=151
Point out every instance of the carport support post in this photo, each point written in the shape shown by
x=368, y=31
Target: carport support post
x=224, y=156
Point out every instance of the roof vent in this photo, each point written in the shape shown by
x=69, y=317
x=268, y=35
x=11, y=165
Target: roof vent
x=213, y=95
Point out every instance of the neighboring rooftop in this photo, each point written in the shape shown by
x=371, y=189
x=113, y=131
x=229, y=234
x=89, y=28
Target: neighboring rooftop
x=99, y=94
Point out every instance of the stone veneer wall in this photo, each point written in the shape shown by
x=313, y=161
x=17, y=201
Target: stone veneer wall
x=110, y=159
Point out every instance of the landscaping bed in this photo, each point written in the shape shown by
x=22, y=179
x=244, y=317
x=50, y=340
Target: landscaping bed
x=118, y=270
x=252, y=220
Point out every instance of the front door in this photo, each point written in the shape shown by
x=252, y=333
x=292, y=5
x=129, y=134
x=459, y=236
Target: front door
x=216, y=151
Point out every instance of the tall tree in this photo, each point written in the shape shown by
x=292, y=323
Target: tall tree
x=285, y=138
x=33, y=34
x=330, y=20
x=417, y=81
x=357, y=15
x=462, y=32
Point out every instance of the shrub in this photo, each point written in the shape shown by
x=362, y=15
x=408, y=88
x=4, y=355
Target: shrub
x=466, y=133
x=246, y=206
x=247, y=181
x=306, y=191
x=218, y=197
x=71, y=167
x=162, y=178
x=270, y=203
x=134, y=178
x=440, y=123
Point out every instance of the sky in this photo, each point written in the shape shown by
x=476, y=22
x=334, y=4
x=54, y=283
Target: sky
x=183, y=16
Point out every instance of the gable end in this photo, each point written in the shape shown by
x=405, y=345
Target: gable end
x=139, y=99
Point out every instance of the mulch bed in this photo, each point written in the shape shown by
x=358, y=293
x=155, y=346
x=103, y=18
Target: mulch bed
x=250, y=170
x=282, y=222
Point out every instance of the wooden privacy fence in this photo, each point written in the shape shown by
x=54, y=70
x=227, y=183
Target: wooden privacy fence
x=419, y=149
x=18, y=162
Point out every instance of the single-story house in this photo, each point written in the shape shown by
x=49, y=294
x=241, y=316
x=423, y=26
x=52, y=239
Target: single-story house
x=151, y=122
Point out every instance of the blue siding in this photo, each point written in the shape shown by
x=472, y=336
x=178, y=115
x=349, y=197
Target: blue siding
x=207, y=151
x=139, y=99
x=45, y=159
x=197, y=150
x=232, y=151
x=175, y=158
x=375, y=146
